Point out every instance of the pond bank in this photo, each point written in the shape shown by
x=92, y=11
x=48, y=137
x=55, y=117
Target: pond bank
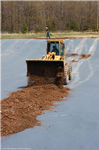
x=58, y=35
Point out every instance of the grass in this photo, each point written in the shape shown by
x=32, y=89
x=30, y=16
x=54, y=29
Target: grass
x=70, y=34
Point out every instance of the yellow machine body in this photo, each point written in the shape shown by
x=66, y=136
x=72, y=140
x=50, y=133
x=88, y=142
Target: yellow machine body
x=50, y=64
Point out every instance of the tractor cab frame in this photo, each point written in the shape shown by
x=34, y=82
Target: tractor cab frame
x=59, y=44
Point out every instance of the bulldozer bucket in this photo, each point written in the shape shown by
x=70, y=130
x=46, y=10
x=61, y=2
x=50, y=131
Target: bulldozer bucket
x=44, y=68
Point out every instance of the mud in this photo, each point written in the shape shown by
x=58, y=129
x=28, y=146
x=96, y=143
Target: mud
x=21, y=108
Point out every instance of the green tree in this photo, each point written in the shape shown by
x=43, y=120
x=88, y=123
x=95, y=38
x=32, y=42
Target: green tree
x=74, y=26
x=67, y=26
x=52, y=26
x=24, y=28
x=85, y=27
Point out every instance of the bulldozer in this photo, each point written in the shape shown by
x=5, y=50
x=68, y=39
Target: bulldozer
x=53, y=64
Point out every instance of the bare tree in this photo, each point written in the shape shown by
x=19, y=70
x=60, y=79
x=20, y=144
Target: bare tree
x=60, y=15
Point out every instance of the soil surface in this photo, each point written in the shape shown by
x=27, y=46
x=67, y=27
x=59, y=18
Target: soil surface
x=20, y=109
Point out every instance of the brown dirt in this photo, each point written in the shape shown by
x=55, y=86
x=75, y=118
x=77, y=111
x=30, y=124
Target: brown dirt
x=20, y=109
x=80, y=56
x=72, y=54
x=73, y=61
x=84, y=56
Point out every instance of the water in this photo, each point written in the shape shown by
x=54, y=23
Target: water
x=13, y=54
x=74, y=123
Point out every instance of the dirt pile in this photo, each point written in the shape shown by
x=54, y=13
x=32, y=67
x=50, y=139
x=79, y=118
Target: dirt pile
x=35, y=80
x=20, y=109
x=57, y=80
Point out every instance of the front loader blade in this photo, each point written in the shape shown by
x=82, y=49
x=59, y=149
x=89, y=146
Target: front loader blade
x=44, y=68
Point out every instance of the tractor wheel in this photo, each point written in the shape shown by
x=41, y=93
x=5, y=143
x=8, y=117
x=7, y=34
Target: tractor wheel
x=59, y=77
x=70, y=72
x=66, y=78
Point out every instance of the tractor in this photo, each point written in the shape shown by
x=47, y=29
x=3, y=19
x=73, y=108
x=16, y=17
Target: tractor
x=53, y=64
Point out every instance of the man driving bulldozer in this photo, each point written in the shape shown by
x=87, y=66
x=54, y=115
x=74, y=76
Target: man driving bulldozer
x=55, y=50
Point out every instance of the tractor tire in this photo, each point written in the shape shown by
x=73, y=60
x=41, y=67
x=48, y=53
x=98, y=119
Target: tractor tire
x=66, y=78
x=70, y=71
x=59, y=81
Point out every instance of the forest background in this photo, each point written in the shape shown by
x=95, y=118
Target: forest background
x=32, y=16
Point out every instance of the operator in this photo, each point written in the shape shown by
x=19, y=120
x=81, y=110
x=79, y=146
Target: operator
x=55, y=50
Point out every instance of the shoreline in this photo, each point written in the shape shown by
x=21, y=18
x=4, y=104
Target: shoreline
x=39, y=38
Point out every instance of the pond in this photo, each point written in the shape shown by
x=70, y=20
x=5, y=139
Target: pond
x=74, y=123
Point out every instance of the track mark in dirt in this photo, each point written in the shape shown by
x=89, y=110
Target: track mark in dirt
x=72, y=54
x=84, y=56
x=78, y=56
x=20, y=109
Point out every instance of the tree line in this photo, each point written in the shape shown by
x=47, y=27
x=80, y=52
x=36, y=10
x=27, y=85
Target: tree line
x=32, y=16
